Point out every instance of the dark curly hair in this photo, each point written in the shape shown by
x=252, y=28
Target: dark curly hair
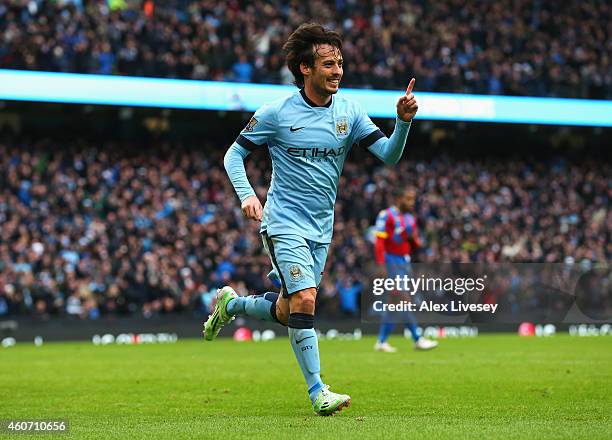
x=300, y=47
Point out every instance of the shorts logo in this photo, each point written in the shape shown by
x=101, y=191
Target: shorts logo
x=342, y=126
x=250, y=125
x=295, y=272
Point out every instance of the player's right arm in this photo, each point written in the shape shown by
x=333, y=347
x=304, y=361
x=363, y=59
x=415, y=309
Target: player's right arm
x=234, y=166
x=255, y=135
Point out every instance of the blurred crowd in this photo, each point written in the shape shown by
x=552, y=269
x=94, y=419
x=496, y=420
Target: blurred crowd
x=94, y=230
x=511, y=47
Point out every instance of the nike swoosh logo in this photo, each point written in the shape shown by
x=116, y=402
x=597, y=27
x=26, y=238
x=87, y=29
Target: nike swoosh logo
x=296, y=129
x=301, y=340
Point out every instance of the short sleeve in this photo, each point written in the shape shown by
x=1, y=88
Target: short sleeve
x=260, y=129
x=380, y=229
x=365, y=132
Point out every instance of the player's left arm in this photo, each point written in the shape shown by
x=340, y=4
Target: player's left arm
x=413, y=237
x=380, y=231
x=390, y=150
x=255, y=135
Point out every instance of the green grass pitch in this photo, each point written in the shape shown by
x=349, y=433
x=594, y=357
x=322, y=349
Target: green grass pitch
x=497, y=386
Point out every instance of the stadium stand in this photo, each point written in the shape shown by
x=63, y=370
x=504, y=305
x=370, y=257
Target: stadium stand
x=90, y=229
x=534, y=48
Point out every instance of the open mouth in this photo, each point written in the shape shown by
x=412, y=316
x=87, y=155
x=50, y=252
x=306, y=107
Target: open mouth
x=335, y=82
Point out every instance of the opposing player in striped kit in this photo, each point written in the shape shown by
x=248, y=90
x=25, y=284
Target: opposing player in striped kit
x=396, y=238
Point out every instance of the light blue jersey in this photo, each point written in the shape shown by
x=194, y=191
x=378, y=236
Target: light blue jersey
x=308, y=145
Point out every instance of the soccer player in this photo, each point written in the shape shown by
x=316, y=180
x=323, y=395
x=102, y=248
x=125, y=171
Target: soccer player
x=308, y=135
x=396, y=238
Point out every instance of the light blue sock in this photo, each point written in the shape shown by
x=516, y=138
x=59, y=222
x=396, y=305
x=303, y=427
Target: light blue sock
x=256, y=306
x=305, y=345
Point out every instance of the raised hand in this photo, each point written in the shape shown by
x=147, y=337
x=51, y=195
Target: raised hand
x=407, y=105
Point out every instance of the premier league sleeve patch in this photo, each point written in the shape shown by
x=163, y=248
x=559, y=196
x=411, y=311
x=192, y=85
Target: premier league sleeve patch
x=250, y=125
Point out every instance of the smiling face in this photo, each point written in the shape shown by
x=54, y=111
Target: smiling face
x=324, y=77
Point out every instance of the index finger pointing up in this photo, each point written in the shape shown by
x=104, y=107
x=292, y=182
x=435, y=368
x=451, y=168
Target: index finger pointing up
x=410, y=86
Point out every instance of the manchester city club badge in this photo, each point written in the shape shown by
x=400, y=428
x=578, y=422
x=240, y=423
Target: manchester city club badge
x=295, y=272
x=342, y=126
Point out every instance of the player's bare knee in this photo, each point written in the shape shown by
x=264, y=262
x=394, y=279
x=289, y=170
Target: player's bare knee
x=303, y=301
x=282, y=309
x=307, y=305
x=282, y=313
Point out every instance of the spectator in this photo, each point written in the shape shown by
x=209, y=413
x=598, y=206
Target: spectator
x=94, y=231
x=542, y=48
x=243, y=71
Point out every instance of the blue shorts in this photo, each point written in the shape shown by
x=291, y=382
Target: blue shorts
x=397, y=265
x=297, y=263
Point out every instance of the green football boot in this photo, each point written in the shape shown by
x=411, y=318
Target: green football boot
x=219, y=316
x=328, y=403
